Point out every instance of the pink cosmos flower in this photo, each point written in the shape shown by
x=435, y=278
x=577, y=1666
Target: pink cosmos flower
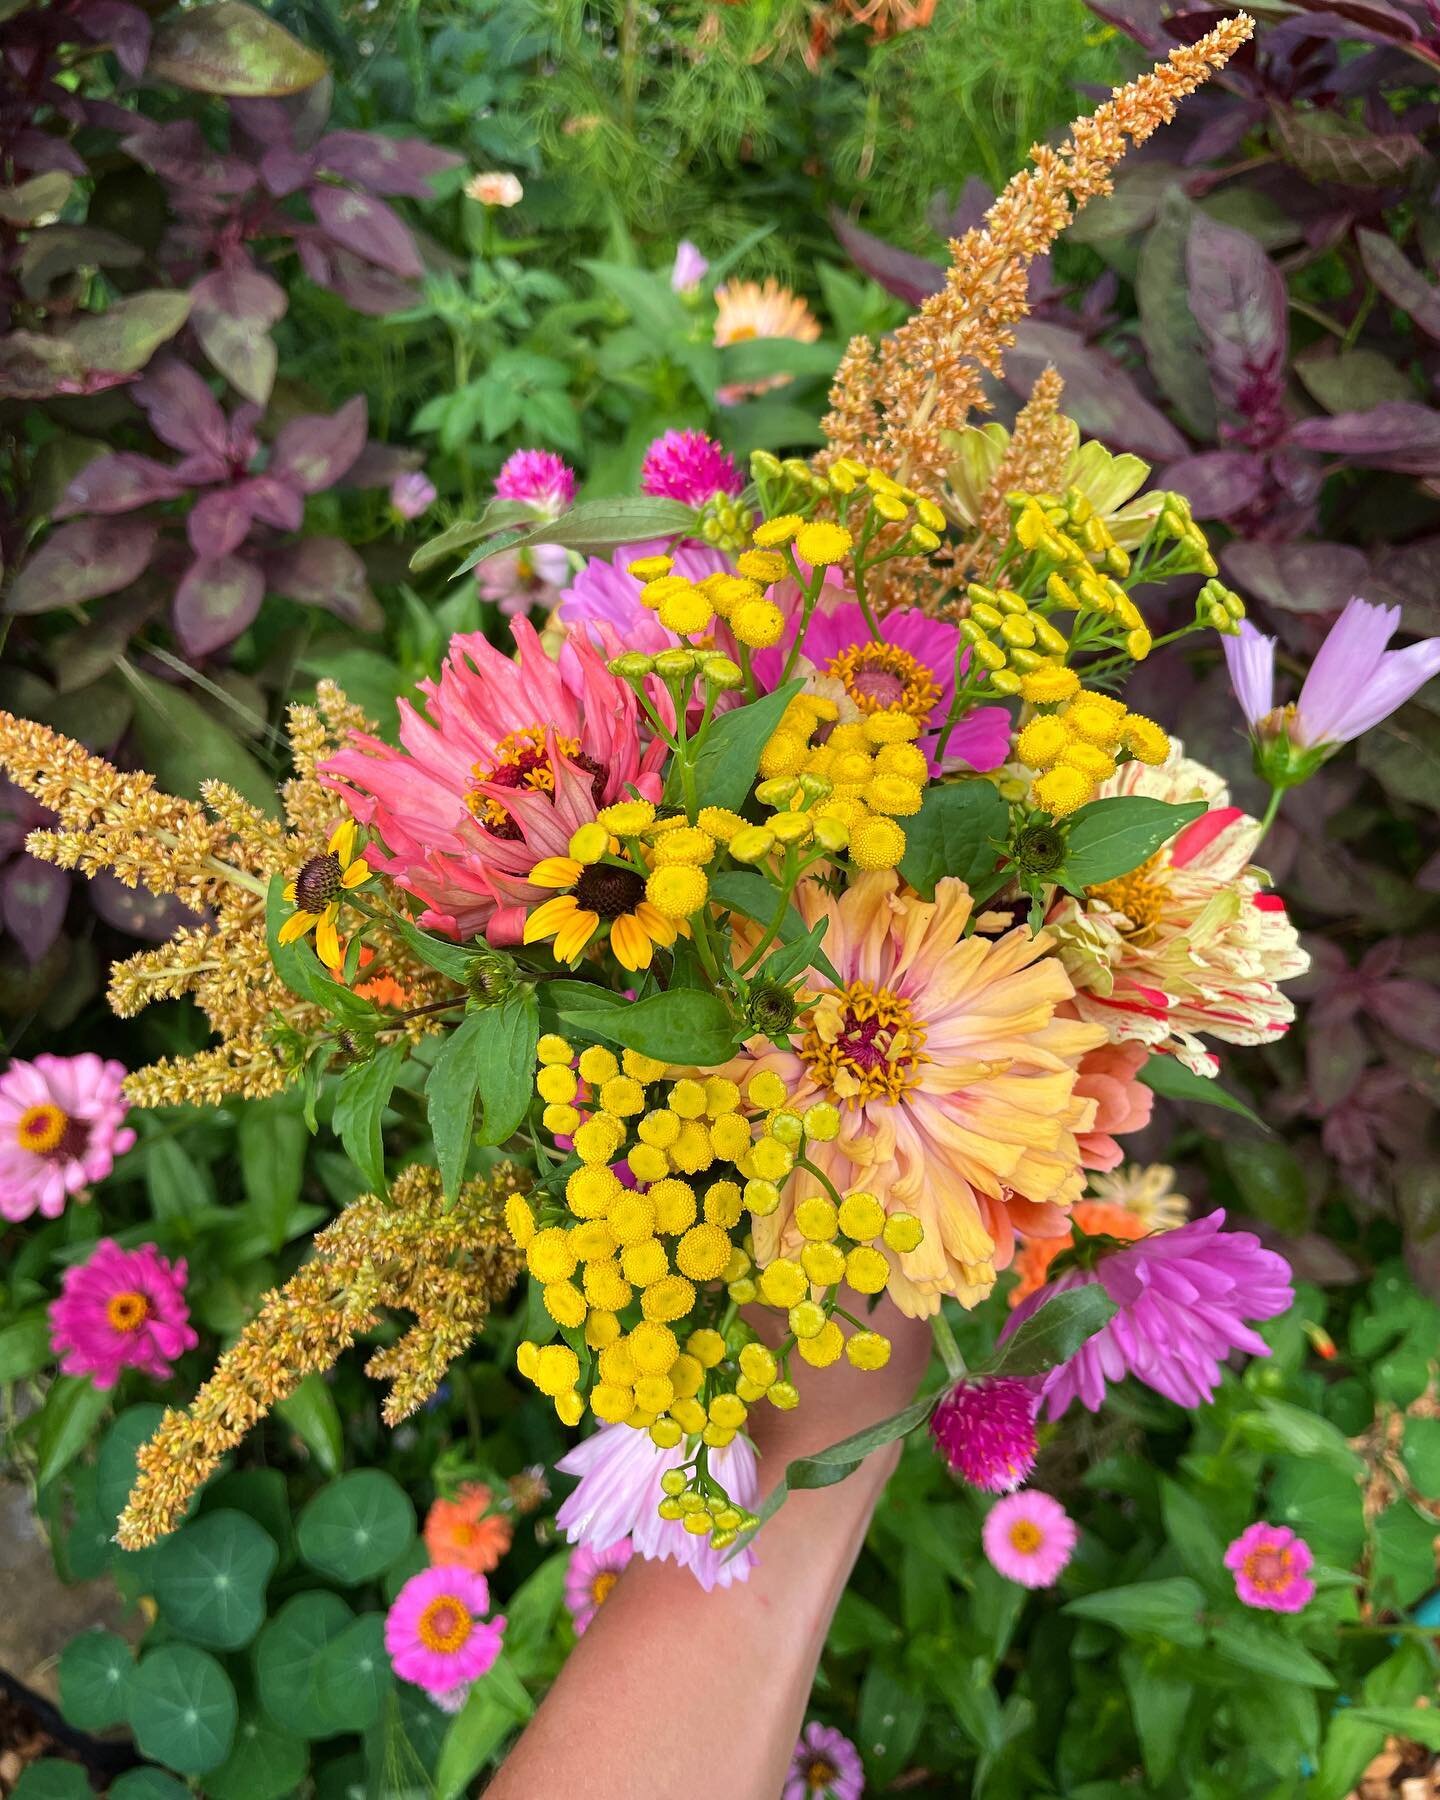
x=604, y=594
x=436, y=1632
x=985, y=1430
x=619, y=1490
x=508, y=761
x=1272, y=1568
x=539, y=478
x=690, y=267
x=1110, y=1076
x=825, y=1766
x=121, y=1309
x=1029, y=1537
x=522, y=581
x=688, y=466
x=1185, y=1297
x=412, y=494
x=591, y=1575
x=1354, y=681
x=61, y=1127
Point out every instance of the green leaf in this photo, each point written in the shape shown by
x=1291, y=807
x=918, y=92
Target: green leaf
x=301, y=969
x=149, y=1784
x=72, y=1410
x=1269, y=1651
x=1294, y=1429
x=450, y=959
x=1422, y=1455
x=1159, y=1700
x=726, y=766
x=477, y=1732
x=744, y=891
x=356, y=1527
x=183, y=1709
x=287, y=1656
x=176, y=1186
x=1054, y=1333
x=231, y=48
x=1190, y=1529
x=892, y=1715
x=952, y=834
x=1404, y=1566
x=95, y=1671
x=115, y=1466
x=456, y=539
x=1270, y=1179
x=25, y=1345
x=51, y=1779
x=1421, y=1724
x=837, y=1461
x=271, y=1140
x=360, y=1101
x=1109, y=838
x=210, y=1578
x=182, y=744
x=1168, y=1608
x=264, y=1764
x=490, y=1056
x=1323, y=1504
x=353, y=1674
x=312, y=1415
x=594, y=526
x=1169, y=1078
x=753, y=359
x=531, y=1613
x=684, y=1026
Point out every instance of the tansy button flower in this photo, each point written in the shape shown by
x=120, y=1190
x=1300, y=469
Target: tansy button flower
x=597, y=893
x=121, y=1309
x=315, y=893
x=464, y=1533
x=1029, y=1538
x=436, y=1632
x=1272, y=1568
x=61, y=1127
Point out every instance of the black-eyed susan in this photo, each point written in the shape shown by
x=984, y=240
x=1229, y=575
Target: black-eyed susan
x=596, y=893
x=315, y=893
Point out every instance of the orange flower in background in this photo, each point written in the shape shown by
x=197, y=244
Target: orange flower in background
x=463, y=1532
x=746, y=310
x=1096, y=1218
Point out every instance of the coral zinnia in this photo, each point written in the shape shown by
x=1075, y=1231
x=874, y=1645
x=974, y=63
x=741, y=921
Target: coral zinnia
x=512, y=759
x=745, y=310
x=463, y=1532
x=121, y=1309
x=956, y=1076
x=1189, y=942
x=61, y=1127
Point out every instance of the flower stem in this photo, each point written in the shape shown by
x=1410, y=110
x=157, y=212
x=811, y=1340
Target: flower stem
x=948, y=1348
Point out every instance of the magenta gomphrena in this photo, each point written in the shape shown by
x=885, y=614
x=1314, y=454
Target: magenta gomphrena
x=540, y=479
x=689, y=467
x=985, y=1430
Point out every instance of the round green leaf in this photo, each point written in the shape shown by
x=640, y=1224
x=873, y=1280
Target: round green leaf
x=262, y=1494
x=115, y=1471
x=182, y=1709
x=1422, y=1455
x=148, y=1784
x=286, y=1655
x=264, y=1764
x=353, y=1674
x=53, y=1780
x=95, y=1671
x=210, y=1579
x=355, y=1528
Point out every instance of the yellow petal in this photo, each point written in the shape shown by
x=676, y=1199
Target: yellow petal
x=342, y=840
x=358, y=871
x=575, y=934
x=655, y=925
x=296, y=926
x=557, y=872
x=546, y=920
x=289, y=891
x=629, y=942
x=327, y=943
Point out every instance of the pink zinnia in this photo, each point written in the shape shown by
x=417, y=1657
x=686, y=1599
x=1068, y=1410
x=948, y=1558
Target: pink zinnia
x=1272, y=1568
x=619, y=1492
x=1184, y=1298
x=825, y=1766
x=986, y=1431
x=1029, y=1537
x=121, y=1309
x=437, y=1635
x=1110, y=1076
x=688, y=466
x=61, y=1127
x=509, y=760
x=604, y=594
x=591, y=1575
x=539, y=478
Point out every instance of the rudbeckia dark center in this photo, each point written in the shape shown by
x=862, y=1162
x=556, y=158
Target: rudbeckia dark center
x=318, y=883
x=609, y=891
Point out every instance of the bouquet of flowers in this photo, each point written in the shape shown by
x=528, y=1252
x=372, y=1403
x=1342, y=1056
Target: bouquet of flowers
x=793, y=920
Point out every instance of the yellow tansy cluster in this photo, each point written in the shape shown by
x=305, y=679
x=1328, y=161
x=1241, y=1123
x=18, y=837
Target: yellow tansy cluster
x=847, y=791
x=1080, y=745
x=847, y=480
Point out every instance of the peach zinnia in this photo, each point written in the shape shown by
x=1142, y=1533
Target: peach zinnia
x=955, y=1075
x=463, y=1533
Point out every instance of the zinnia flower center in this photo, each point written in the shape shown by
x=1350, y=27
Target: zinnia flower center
x=127, y=1311
x=878, y=677
x=1026, y=1536
x=601, y=1584
x=522, y=760
x=609, y=891
x=864, y=1043
x=445, y=1625
x=42, y=1128
x=318, y=883
x=1140, y=896
x=820, y=1773
x=1269, y=1569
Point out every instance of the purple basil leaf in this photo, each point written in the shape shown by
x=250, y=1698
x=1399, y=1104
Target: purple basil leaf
x=384, y=165
x=1142, y=20
x=182, y=411
x=1411, y=1009
x=1388, y=22
x=910, y=278
x=369, y=228
x=33, y=898
x=313, y=452
x=232, y=312
x=1328, y=147
x=179, y=154
x=276, y=502
x=1398, y=434
x=293, y=120
x=215, y=601
x=125, y=28
x=1400, y=281
x=81, y=561
x=1168, y=332
x=1102, y=399
x=285, y=171
x=220, y=521
x=118, y=484
x=1223, y=133
x=952, y=219
x=378, y=464
x=154, y=917
x=230, y=48
x=1238, y=300
x=1334, y=1061
x=1219, y=483
x=1299, y=578
x=322, y=571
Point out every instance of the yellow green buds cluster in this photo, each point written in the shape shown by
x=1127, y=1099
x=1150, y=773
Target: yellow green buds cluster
x=1007, y=638
x=1219, y=607
x=725, y=523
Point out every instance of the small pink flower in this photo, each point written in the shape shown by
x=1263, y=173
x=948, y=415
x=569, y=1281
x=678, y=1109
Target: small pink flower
x=985, y=1430
x=1110, y=1076
x=690, y=268
x=825, y=1766
x=61, y=1127
x=412, y=494
x=590, y=1577
x=1029, y=1538
x=495, y=187
x=436, y=1632
x=121, y=1309
x=539, y=478
x=690, y=467
x=1272, y=1568
x=520, y=581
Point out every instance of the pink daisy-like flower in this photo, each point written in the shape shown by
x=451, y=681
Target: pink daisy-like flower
x=605, y=594
x=619, y=1491
x=1184, y=1299
x=1110, y=1076
x=688, y=466
x=539, y=478
x=591, y=1575
x=1029, y=1537
x=523, y=581
x=121, y=1309
x=509, y=760
x=825, y=1766
x=745, y=310
x=61, y=1127
x=436, y=1632
x=985, y=1430
x=1272, y=1568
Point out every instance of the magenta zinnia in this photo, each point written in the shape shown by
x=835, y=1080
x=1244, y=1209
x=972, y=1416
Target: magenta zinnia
x=1272, y=1568
x=61, y=1127
x=121, y=1309
x=825, y=1766
x=436, y=1632
x=985, y=1430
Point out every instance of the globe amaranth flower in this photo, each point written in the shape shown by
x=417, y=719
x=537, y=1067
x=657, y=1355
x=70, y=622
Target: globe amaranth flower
x=436, y=1632
x=825, y=1766
x=464, y=1533
x=1185, y=1301
x=1029, y=1537
x=540, y=479
x=690, y=467
x=590, y=1576
x=61, y=1128
x=1272, y=1568
x=121, y=1309
x=619, y=1491
x=985, y=1430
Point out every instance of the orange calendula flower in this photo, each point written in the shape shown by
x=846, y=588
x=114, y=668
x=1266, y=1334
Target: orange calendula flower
x=315, y=893
x=464, y=1533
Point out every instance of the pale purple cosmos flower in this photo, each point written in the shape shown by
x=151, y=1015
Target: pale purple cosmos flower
x=1029, y=1537
x=1272, y=1568
x=690, y=267
x=825, y=1766
x=412, y=494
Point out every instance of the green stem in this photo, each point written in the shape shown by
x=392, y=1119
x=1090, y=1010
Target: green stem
x=803, y=1162
x=948, y=1348
x=772, y=931
x=1276, y=796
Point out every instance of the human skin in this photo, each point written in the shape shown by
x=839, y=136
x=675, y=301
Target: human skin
x=676, y=1694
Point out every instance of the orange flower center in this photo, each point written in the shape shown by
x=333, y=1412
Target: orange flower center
x=42, y=1128
x=1026, y=1537
x=864, y=1043
x=127, y=1311
x=820, y=1773
x=881, y=677
x=741, y=334
x=601, y=1583
x=1140, y=895
x=445, y=1624
x=1269, y=1569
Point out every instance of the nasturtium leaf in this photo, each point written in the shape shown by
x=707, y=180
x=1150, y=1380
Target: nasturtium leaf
x=262, y=1495
x=286, y=1655
x=210, y=1579
x=73, y=1409
x=1168, y=1077
x=51, y=1779
x=1323, y=1504
x=95, y=1671
x=149, y=1784
x=1404, y=1566
x=360, y=1101
x=264, y=1763
x=1422, y=1455
x=954, y=833
x=353, y=1673
x=355, y=1528
x=1168, y=1608
x=1108, y=838
x=115, y=1469
x=182, y=1709
x=730, y=756
x=1054, y=1333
